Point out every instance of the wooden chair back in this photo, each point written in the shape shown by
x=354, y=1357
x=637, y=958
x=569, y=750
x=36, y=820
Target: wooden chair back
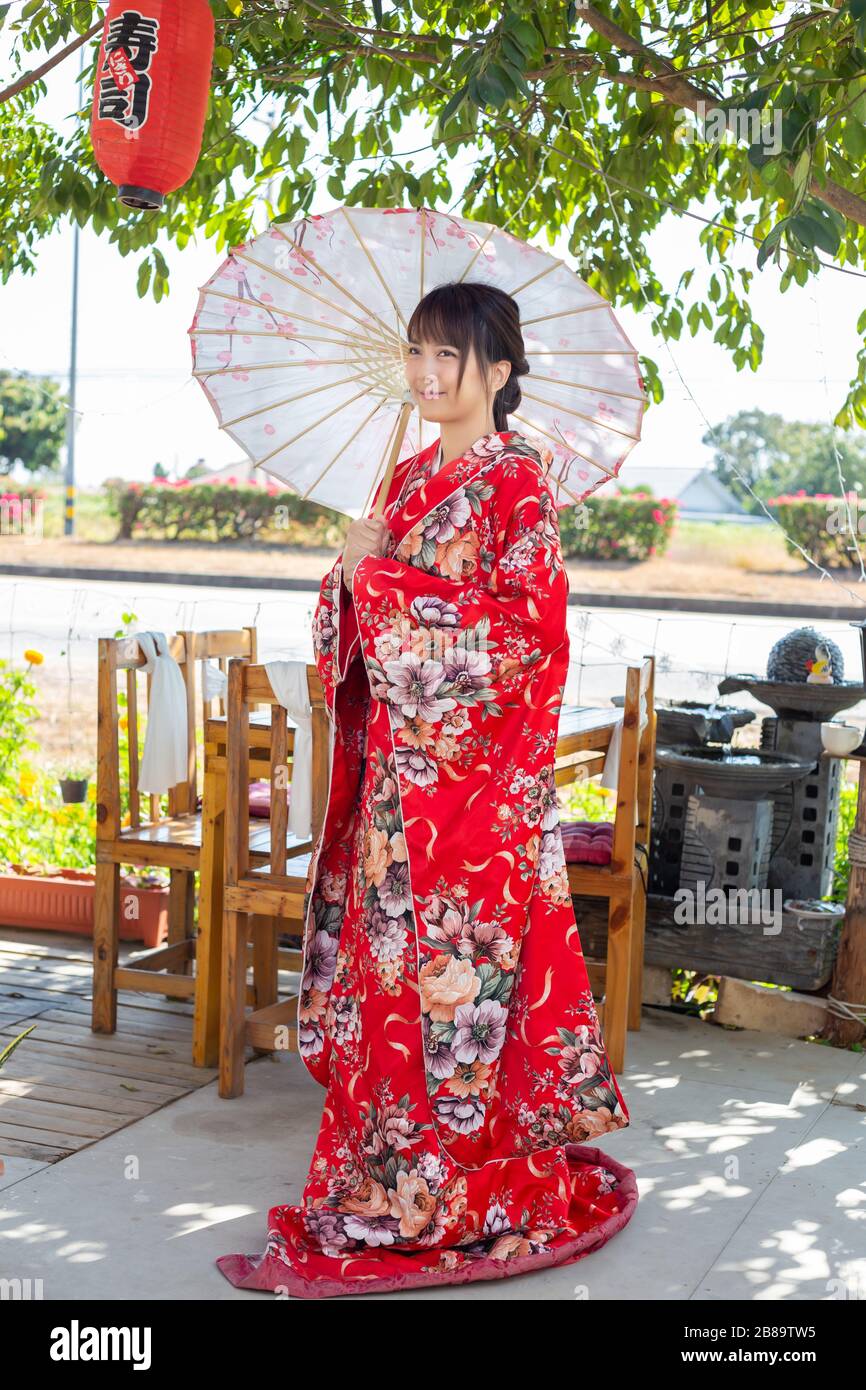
x=249, y=686
x=122, y=659
x=634, y=782
x=220, y=644
x=635, y=766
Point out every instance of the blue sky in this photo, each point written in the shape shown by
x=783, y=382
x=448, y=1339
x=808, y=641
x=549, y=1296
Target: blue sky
x=139, y=403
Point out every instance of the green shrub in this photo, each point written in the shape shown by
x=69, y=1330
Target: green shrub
x=819, y=525
x=226, y=511
x=622, y=526
x=844, y=826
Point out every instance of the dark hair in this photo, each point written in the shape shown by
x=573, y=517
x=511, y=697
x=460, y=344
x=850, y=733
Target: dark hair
x=470, y=313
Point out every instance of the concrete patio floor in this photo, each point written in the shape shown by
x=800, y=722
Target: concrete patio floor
x=750, y=1152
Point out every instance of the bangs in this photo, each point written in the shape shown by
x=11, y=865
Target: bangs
x=445, y=315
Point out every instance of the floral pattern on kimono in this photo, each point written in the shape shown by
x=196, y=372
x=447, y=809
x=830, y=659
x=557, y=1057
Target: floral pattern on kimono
x=441, y=954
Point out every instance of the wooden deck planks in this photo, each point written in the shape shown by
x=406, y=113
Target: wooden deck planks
x=66, y=1087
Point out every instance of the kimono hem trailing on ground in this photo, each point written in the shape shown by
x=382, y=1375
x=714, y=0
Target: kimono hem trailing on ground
x=445, y=1005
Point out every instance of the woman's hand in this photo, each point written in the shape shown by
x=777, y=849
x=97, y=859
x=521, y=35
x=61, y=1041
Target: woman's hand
x=369, y=535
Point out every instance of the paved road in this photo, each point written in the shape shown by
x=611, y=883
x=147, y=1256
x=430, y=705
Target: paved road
x=63, y=619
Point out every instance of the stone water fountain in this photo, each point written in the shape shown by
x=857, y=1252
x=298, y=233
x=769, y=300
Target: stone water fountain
x=753, y=818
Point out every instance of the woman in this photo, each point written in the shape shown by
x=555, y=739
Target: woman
x=445, y=1005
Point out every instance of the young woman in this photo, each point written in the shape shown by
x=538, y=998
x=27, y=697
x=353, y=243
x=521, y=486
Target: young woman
x=445, y=1006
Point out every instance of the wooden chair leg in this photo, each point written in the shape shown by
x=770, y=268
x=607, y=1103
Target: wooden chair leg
x=233, y=1001
x=190, y=929
x=106, y=926
x=617, y=976
x=638, y=933
x=181, y=906
x=265, y=964
x=209, y=942
x=181, y=900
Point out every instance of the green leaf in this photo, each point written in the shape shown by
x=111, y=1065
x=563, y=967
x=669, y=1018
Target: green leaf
x=493, y=90
x=801, y=168
x=451, y=105
x=771, y=170
x=813, y=233
x=770, y=243
x=16, y=1042
x=512, y=51
x=516, y=77
x=222, y=56
x=854, y=138
x=526, y=36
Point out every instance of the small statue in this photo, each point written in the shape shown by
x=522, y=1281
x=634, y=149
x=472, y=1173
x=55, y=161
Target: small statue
x=819, y=668
x=806, y=655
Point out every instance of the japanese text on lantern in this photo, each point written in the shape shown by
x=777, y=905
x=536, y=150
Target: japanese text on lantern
x=124, y=94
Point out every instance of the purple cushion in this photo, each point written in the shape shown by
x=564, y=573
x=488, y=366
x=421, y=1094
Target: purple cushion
x=587, y=842
x=260, y=800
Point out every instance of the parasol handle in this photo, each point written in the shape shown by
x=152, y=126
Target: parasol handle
x=392, y=461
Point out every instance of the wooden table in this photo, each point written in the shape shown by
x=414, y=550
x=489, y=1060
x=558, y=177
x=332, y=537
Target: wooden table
x=584, y=736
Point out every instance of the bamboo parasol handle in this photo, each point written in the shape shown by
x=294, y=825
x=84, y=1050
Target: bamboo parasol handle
x=392, y=461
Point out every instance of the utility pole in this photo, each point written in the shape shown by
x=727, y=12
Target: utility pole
x=69, y=476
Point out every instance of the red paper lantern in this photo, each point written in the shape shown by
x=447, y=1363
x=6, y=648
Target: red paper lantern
x=150, y=97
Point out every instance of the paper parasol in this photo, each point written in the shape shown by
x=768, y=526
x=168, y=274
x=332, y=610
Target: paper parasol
x=299, y=340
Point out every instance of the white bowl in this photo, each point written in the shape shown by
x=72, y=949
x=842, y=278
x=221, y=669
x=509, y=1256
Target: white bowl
x=839, y=739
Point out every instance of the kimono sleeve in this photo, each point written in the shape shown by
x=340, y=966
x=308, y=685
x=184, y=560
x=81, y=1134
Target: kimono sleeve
x=335, y=629
x=432, y=643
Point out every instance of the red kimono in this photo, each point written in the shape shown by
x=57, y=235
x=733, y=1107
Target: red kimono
x=445, y=1006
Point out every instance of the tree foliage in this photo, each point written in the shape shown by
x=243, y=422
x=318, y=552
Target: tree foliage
x=572, y=114
x=32, y=423
x=775, y=456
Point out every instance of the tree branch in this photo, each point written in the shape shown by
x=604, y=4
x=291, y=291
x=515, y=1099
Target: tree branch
x=678, y=92
x=28, y=78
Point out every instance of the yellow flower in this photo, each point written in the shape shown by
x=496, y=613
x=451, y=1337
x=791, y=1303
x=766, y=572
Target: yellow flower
x=91, y=792
x=35, y=658
x=126, y=820
x=123, y=722
x=26, y=781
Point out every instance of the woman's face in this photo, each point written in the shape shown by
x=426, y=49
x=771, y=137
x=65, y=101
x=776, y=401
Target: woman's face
x=431, y=375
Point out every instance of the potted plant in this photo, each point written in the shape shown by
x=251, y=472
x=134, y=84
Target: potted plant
x=50, y=898
x=73, y=782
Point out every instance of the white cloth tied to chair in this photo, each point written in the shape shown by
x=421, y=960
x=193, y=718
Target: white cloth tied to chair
x=214, y=682
x=164, y=760
x=289, y=682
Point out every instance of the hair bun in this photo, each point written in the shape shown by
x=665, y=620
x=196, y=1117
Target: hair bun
x=510, y=395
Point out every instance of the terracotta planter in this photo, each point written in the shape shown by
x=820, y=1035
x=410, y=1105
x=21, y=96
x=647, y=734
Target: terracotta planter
x=63, y=901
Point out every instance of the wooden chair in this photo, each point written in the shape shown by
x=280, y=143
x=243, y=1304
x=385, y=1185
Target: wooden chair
x=259, y=901
x=171, y=841
x=622, y=879
x=213, y=645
